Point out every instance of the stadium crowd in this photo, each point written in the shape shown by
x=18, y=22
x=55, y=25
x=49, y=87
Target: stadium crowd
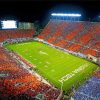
x=16, y=82
x=80, y=37
x=18, y=33
x=90, y=90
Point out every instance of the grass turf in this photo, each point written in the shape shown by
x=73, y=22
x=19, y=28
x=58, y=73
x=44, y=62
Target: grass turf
x=55, y=65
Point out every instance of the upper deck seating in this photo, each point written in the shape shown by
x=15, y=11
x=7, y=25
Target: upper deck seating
x=74, y=36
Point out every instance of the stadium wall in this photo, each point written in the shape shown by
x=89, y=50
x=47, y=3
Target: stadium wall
x=98, y=61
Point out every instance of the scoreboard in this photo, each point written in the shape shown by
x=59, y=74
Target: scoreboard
x=8, y=24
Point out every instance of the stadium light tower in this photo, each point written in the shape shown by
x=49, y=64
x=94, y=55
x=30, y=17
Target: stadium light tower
x=67, y=15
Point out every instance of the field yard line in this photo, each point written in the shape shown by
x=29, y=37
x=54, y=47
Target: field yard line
x=41, y=52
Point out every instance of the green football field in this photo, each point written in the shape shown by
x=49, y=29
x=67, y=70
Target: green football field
x=58, y=67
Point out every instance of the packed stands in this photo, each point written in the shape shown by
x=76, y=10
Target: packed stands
x=90, y=90
x=91, y=52
x=83, y=37
x=17, y=33
x=17, y=82
x=74, y=47
x=96, y=46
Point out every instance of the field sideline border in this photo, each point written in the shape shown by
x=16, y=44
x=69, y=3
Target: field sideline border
x=66, y=51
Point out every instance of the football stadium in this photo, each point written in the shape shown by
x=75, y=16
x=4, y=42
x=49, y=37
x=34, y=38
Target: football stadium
x=58, y=61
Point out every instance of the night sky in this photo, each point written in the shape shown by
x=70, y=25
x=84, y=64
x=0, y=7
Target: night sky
x=32, y=10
